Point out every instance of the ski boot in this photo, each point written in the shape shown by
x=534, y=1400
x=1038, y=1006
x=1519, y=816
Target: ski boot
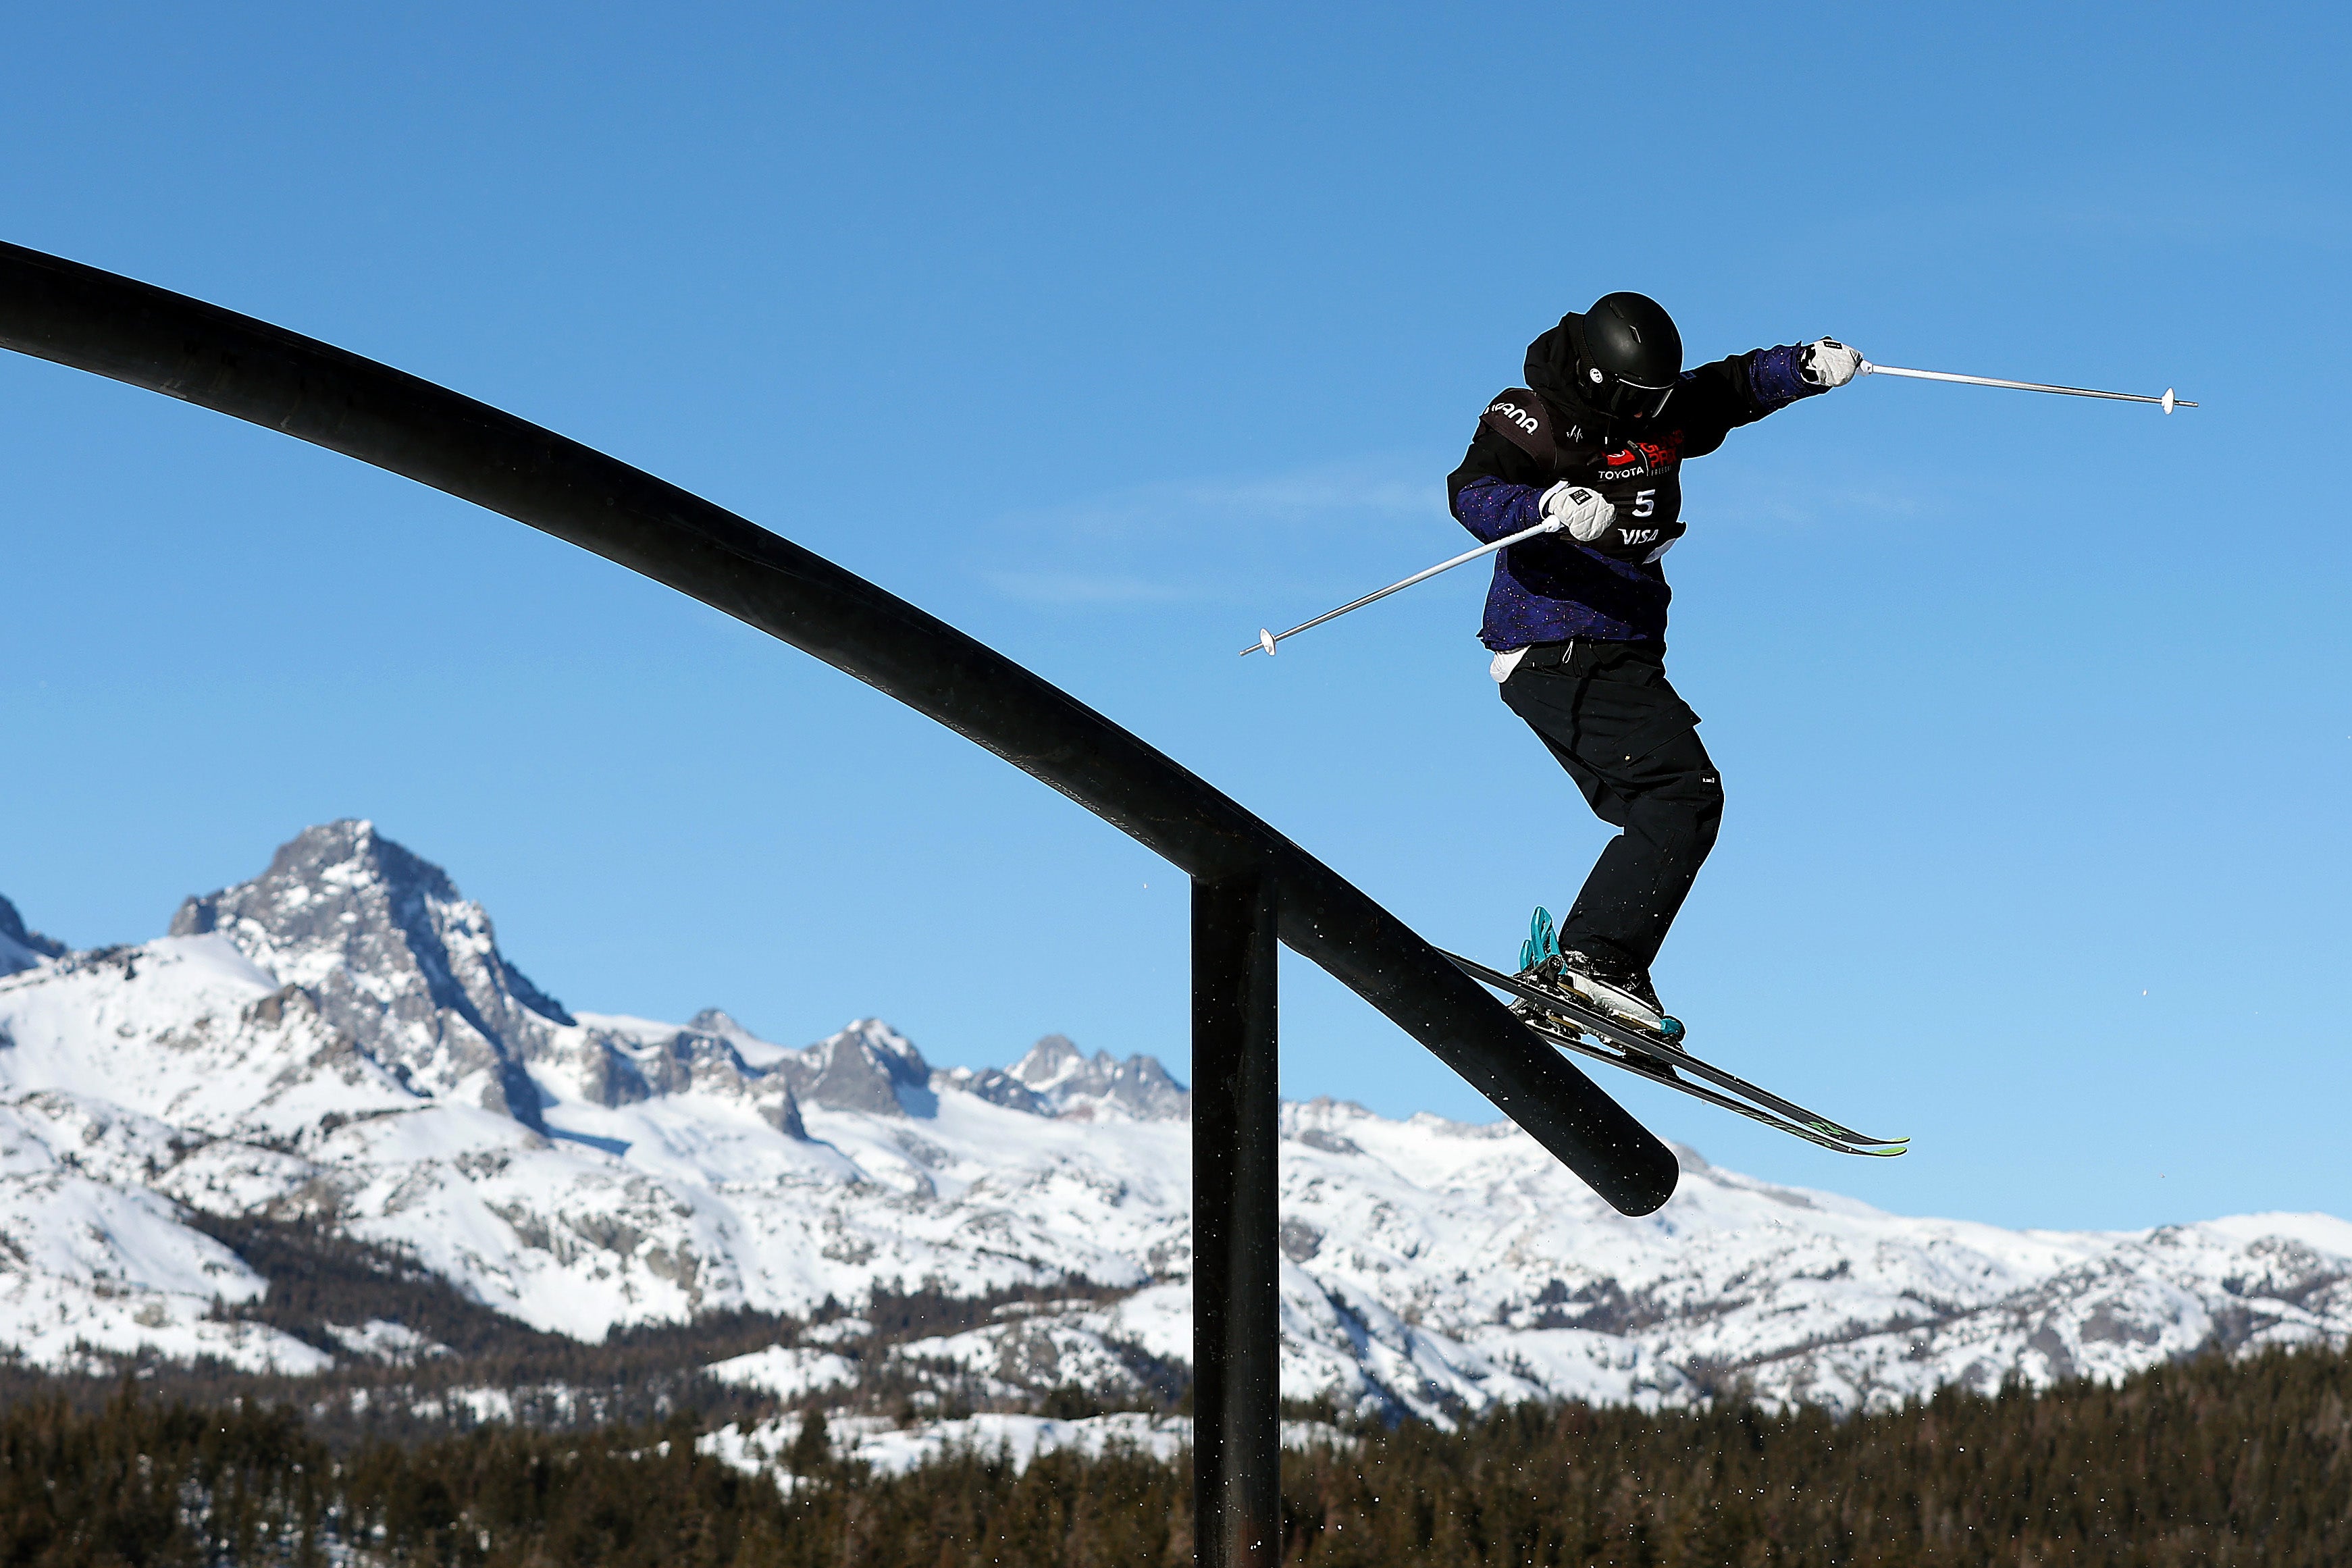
x=1614, y=987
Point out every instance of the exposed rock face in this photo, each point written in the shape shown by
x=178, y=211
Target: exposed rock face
x=21, y=949
x=719, y=1022
x=1085, y=1087
x=395, y=958
x=614, y=1066
x=850, y=1079
x=997, y=1086
x=867, y=1066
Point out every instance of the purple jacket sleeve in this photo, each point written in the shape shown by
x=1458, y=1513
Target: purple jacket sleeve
x=1776, y=377
x=1492, y=509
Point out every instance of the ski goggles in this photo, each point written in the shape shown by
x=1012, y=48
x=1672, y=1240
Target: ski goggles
x=1621, y=399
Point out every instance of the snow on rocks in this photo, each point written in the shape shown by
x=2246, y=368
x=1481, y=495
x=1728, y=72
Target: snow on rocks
x=787, y=1371
x=87, y=1264
x=1013, y=1440
x=1011, y=1359
x=378, y=1340
x=837, y=1332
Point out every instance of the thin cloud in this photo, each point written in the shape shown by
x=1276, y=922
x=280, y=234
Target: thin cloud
x=1304, y=497
x=1205, y=541
x=1820, y=504
x=1085, y=588
x=1321, y=492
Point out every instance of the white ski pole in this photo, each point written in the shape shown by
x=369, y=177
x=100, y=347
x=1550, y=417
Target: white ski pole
x=1267, y=639
x=2167, y=401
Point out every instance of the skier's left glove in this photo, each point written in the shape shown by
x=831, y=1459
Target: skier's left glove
x=1830, y=364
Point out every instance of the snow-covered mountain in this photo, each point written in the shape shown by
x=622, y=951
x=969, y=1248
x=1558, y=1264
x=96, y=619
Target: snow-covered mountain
x=341, y=1038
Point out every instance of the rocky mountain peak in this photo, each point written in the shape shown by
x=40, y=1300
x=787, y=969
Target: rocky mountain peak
x=1079, y=1086
x=20, y=948
x=396, y=958
x=1053, y=1059
x=894, y=1050
x=755, y=1052
x=865, y=1067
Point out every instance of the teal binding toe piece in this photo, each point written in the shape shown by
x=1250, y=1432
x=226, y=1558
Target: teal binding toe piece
x=1542, y=937
x=1671, y=1026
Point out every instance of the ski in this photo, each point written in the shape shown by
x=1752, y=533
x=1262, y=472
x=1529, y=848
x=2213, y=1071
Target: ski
x=1553, y=1032
x=1785, y=1114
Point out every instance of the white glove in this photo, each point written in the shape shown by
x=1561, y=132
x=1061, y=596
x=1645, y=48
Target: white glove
x=1830, y=364
x=1579, y=511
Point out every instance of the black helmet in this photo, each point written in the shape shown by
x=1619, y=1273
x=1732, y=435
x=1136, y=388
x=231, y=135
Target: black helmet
x=1628, y=356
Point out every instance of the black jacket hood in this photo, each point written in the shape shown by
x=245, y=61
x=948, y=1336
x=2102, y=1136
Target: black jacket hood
x=1551, y=372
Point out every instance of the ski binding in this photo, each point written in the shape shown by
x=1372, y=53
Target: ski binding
x=1578, y=1022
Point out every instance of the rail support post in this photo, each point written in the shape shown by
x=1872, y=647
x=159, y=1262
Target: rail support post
x=1236, y=1328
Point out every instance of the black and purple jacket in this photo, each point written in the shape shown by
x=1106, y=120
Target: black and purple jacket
x=1552, y=588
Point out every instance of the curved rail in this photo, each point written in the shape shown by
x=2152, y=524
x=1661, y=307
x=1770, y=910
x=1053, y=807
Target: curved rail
x=134, y=333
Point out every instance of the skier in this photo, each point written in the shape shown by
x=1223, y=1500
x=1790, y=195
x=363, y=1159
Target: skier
x=1577, y=619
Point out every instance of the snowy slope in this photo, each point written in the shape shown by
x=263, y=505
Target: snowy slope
x=341, y=1037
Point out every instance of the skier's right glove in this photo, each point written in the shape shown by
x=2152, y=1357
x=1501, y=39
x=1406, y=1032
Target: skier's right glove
x=1828, y=363
x=1580, y=511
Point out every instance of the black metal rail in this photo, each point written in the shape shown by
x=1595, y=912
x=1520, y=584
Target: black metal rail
x=1250, y=882
x=1236, y=1264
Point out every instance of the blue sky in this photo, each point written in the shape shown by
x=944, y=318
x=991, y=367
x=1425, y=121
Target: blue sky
x=1111, y=333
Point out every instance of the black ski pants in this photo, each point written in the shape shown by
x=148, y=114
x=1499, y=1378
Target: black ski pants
x=1631, y=745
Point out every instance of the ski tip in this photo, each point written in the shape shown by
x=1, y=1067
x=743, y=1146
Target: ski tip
x=1848, y=1135
x=1876, y=1149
